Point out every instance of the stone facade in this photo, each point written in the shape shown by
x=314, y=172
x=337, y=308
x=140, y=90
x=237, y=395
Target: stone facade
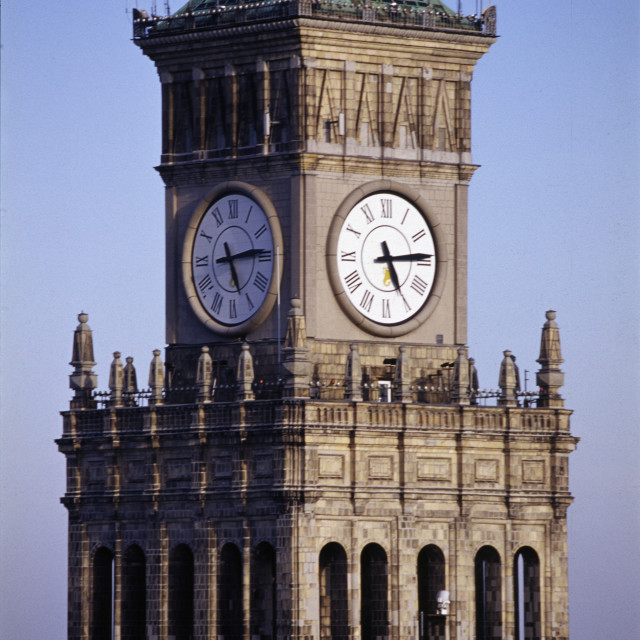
x=314, y=480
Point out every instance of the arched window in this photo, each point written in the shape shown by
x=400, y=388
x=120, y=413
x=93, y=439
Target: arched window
x=334, y=604
x=526, y=579
x=431, y=579
x=134, y=594
x=230, y=593
x=374, y=607
x=102, y=596
x=488, y=595
x=263, y=592
x=181, y=593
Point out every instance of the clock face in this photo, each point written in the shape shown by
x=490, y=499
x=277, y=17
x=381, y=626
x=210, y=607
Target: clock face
x=229, y=263
x=386, y=259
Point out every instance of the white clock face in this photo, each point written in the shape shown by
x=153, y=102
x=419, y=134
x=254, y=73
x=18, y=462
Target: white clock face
x=386, y=259
x=232, y=260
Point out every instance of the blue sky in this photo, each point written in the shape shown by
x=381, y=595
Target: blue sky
x=553, y=224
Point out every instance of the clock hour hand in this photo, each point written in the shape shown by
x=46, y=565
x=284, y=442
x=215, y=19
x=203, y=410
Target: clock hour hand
x=387, y=258
x=238, y=256
x=230, y=259
x=406, y=257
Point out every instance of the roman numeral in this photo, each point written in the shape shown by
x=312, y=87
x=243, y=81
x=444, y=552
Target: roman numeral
x=205, y=283
x=217, y=216
x=419, y=285
x=233, y=209
x=204, y=235
x=386, y=308
x=367, y=300
x=367, y=213
x=407, y=306
x=251, y=305
x=348, y=256
x=386, y=207
x=216, y=305
x=352, y=281
x=232, y=308
x=248, y=213
x=425, y=263
x=260, y=281
x=260, y=231
x=265, y=256
x=404, y=217
x=202, y=261
x=418, y=235
x=350, y=228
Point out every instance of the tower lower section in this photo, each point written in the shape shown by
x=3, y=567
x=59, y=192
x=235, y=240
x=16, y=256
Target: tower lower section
x=317, y=519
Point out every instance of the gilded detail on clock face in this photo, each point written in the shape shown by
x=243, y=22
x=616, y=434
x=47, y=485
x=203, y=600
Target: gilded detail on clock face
x=386, y=258
x=232, y=259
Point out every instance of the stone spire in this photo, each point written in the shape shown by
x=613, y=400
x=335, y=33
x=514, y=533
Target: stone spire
x=245, y=375
x=401, y=377
x=83, y=380
x=116, y=379
x=295, y=354
x=156, y=378
x=203, y=376
x=508, y=381
x=461, y=382
x=353, y=378
x=549, y=377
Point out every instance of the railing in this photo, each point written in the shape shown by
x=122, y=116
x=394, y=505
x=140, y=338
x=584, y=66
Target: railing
x=405, y=14
x=325, y=390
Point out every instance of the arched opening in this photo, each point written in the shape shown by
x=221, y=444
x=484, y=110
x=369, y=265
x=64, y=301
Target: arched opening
x=334, y=604
x=488, y=595
x=181, y=593
x=431, y=579
x=134, y=594
x=263, y=592
x=526, y=578
x=230, y=593
x=374, y=607
x=102, y=595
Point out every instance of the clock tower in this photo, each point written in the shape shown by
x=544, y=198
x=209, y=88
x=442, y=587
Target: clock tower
x=313, y=457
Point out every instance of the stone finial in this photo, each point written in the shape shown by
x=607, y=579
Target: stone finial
x=296, y=336
x=401, y=377
x=474, y=385
x=353, y=377
x=156, y=378
x=295, y=361
x=130, y=385
x=245, y=374
x=83, y=380
x=549, y=377
x=130, y=377
x=508, y=381
x=461, y=381
x=204, y=374
x=116, y=379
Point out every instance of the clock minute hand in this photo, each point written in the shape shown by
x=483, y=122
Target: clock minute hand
x=229, y=259
x=406, y=257
x=387, y=258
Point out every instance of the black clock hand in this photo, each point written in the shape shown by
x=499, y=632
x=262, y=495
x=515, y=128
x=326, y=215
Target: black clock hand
x=407, y=257
x=238, y=256
x=386, y=257
x=234, y=273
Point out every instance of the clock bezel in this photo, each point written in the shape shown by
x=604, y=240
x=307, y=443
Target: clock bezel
x=262, y=200
x=416, y=200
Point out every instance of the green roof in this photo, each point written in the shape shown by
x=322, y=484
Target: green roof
x=211, y=14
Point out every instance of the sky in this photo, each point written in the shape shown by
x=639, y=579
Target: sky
x=553, y=224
